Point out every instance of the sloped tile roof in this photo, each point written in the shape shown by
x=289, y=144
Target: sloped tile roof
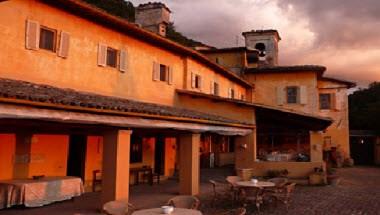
x=28, y=91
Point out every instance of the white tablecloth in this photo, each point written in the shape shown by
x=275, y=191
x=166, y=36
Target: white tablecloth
x=36, y=193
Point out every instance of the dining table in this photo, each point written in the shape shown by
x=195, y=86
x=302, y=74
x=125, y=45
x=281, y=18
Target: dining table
x=176, y=211
x=258, y=197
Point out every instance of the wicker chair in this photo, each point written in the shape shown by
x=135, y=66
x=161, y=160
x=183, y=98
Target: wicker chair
x=284, y=194
x=118, y=208
x=234, y=187
x=239, y=211
x=188, y=202
x=279, y=182
x=221, y=191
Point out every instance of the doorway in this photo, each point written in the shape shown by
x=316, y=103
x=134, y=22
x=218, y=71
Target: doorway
x=77, y=156
x=362, y=150
x=159, y=156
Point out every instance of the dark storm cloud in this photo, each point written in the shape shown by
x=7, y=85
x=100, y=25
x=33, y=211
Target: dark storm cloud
x=341, y=23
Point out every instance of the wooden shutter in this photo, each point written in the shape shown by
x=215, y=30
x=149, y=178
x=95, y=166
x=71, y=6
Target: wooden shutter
x=230, y=93
x=32, y=36
x=280, y=95
x=303, y=95
x=192, y=80
x=123, y=60
x=64, y=45
x=212, y=89
x=336, y=102
x=199, y=82
x=156, y=71
x=170, y=75
x=102, y=55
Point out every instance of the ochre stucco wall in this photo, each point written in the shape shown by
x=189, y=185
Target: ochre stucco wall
x=339, y=130
x=266, y=89
x=50, y=155
x=7, y=152
x=80, y=70
x=94, y=158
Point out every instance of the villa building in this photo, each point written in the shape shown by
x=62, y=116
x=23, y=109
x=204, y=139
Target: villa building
x=82, y=90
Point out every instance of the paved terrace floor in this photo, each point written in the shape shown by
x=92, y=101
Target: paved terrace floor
x=359, y=193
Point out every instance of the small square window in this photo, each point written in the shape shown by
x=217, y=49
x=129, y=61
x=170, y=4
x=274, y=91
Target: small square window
x=216, y=89
x=324, y=101
x=292, y=95
x=47, y=39
x=111, y=57
x=163, y=73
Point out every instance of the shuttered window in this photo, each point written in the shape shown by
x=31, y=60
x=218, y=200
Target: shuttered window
x=163, y=73
x=32, y=36
x=47, y=39
x=231, y=93
x=64, y=45
x=196, y=81
x=292, y=95
x=170, y=75
x=111, y=57
x=325, y=101
x=214, y=88
x=156, y=71
x=123, y=60
x=102, y=54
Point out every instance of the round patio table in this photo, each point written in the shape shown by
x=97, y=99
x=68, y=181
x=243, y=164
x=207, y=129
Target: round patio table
x=177, y=211
x=259, y=184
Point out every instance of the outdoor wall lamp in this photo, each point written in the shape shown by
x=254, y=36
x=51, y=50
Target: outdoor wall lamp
x=243, y=146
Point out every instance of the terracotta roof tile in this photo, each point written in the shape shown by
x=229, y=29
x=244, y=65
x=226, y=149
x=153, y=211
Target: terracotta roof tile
x=28, y=91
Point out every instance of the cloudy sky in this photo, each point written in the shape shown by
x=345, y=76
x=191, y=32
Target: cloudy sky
x=343, y=35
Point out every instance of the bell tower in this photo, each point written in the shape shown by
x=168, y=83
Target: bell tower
x=266, y=42
x=153, y=16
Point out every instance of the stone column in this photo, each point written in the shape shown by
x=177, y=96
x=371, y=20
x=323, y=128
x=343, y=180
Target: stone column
x=316, y=146
x=245, y=150
x=189, y=164
x=115, y=175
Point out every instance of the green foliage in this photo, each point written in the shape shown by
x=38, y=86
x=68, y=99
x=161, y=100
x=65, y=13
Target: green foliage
x=126, y=10
x=176, y=36
x=365, y=108
x=121, y=8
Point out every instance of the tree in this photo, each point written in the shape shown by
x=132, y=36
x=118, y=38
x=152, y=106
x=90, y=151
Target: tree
x=121, y=8
x=126, y=10
x=365, y=108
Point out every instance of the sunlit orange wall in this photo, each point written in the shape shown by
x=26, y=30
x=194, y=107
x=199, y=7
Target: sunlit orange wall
x=49, y=155
x=94, y=157
x=339, y=130
x=7, y=152
x=80, y=70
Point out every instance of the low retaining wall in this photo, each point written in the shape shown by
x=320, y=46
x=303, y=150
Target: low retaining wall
x=295, y=169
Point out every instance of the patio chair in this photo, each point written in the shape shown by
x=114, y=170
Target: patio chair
x=253, y=195
x=279, y=183
x=184, y=201
x=220, y=192
x=118, y=208
x=239, y=211
x=234, y=187
x=284, y=194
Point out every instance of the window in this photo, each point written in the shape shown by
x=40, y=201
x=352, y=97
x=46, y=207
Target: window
x=252, y=58
x=216, y=88
x=111, y=57
x=242, y=97
x=47, y=39
x=231, y=93
x=163, y=73
x=292, y=94
x=324, y=101
x=136, y=150
x=197, y=81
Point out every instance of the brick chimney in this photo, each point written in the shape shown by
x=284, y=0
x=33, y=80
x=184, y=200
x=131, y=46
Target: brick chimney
x=153, y=16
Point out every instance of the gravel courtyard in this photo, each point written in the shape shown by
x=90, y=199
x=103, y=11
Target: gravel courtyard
x=358, y=193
